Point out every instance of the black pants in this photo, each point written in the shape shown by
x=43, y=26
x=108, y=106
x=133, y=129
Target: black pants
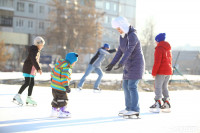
x=29, y=81
x=59, y=98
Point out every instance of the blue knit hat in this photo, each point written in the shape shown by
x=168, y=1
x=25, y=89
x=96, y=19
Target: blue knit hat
x=71, y=57
x=160, y=37
x=106, y=45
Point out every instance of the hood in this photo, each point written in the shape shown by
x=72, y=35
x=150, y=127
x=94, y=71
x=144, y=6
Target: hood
x=62, y=63
x=122, y=23
x=33, y=48
x=131, y=29
x=164, y=44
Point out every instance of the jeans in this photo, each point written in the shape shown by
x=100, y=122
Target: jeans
x=88, y=71
x=131, y=95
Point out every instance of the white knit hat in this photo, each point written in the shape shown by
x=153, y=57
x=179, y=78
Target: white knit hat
x=122, y=23
x=39, y=40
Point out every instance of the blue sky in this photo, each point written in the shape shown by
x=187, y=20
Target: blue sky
x=179, y=19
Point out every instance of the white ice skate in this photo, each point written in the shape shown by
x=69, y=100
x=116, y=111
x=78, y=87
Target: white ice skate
x=155, y=108
x=122, y=112
x=17, y=99
x=166, y=106
x=96, y=90
x=54, y=112
x=131, y=115
x=30, y=101
x=63, y=113
x=79, y=89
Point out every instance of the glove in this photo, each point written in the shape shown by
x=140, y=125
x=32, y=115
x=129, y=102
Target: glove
x=68, y=90
x=109, y=67
x=119, y=66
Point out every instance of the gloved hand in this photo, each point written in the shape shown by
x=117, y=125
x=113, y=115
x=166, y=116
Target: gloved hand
x=68, y=90
x=109, y=67
x=119, y=66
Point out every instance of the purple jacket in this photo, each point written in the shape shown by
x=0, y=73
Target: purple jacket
x=133, y=59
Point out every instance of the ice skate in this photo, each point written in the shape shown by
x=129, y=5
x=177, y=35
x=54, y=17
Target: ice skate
x=122, y=112
x=79, y=89
x=54, y=112
x=155, y=108
x=63, y=113
x=131, y=115
x=17, y=99
x=96, y=90
x=166, y=106
x=30, y=101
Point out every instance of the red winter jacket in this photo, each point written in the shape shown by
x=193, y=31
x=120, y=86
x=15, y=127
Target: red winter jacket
x=162, y=59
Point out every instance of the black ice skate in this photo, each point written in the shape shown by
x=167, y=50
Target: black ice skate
x=155, y=108
x=166, y=106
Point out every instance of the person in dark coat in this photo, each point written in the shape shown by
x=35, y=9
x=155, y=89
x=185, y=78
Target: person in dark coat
x=30, y=68
x=132, y=62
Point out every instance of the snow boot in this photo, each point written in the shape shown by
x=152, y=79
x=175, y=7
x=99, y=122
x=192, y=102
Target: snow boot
x=166, y=105
x=155, y=108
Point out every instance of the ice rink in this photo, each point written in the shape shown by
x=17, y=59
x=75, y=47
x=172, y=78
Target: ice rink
x=97, y=113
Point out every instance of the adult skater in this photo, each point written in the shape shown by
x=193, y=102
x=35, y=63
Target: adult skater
x=95, y=65
x=162, y=69
x=30, y=68
x=132, y=63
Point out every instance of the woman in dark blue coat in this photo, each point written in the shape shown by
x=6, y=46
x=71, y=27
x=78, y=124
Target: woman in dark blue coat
x=132, y=62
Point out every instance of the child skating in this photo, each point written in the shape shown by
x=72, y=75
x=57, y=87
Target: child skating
x=60, y=80
x=162, y=69
x=30, y=68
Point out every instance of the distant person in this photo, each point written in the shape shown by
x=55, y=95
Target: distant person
x=60, y=80
x=162, y=69
x=95, y=65
x=132, y=62
x=30, y=68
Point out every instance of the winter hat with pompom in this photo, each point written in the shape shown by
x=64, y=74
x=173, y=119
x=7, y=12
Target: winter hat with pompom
x=71, y=57
x=160, y=37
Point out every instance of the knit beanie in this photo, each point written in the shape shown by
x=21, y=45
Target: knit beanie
x=122, y=23
x=71, y=57
x=106, y=45
x=160, y=37
x=38, y=40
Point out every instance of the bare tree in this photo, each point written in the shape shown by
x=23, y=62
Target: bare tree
x=147, y=39
x=4, y=55
x=75, y=26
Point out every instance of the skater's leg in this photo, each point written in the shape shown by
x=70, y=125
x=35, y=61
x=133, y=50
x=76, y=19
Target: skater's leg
x=60, y=98
x=100, y=73
x=165, y=90
x=87, y=72
x=30, y=88
x=23, y=87
x=127, y=95
x=134, y=97
x=159, y=79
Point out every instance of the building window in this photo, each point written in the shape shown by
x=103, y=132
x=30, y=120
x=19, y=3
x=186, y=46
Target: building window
x=107, y=6
x=106, y=19
x=41, y=9
x=20, y=23
x=41, y=25
x=31, y=7
x=30, y=24
x=20, y=6
x=6, y=21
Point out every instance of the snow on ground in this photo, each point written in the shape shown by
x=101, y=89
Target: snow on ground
x=97, y=113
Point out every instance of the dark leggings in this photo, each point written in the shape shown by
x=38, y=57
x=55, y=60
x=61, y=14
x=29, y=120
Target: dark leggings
x=29, y=81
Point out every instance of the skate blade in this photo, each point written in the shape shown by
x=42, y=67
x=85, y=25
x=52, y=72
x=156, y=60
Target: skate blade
x=97, y=91
x=64, y=117
x=135, y=116
x=120, y=114
x=29, y=104
x=166, y=110
x=155, y=110
x=15, y=102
